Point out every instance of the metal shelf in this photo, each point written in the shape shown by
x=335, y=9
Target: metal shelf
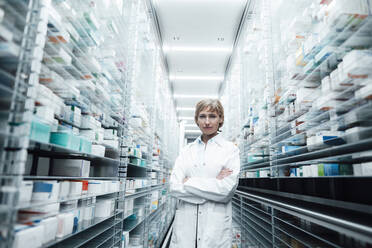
x=81, y=230
x=137, y=194
x=53, y=150
x=332, y=220
x=258, y=215
x=314, y=199
x=68, y=178
x=132, y=224
x=266, y=228
x=257, y=235
x=326, y=239
x=71, y=198
x=100, y=240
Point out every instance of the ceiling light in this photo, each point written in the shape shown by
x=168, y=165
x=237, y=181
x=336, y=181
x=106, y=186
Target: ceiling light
x=218, y=78
x=194, y=96
x=196, y=49
x=184, y=109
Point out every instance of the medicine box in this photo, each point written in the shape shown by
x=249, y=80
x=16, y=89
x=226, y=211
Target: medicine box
x=65, y=139
x=40, y=131
x=45, y=191
x=98, y=150
x=64, y=189
x=104, y=208
x=135, y=161
x=85, y=145
x=30, y=236
x=50, y=229
x=76, y=188
x=65, y=224
x=363, y=169
x=71, y=167
x=25, y=191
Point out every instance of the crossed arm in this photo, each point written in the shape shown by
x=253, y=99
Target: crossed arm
x=199, y=189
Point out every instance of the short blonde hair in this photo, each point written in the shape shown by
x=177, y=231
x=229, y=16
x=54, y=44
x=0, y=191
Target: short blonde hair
x=211, y=105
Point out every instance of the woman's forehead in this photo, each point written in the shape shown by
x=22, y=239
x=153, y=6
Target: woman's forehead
x=209, y=110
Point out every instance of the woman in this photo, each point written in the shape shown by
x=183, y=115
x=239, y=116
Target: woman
x=204, y=179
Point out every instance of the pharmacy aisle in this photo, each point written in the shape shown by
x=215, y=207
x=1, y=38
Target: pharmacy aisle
x=301, y=75
x=86, y=139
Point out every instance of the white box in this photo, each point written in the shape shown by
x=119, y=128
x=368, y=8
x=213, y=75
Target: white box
x=112, y=143
x=87, y=121
x=45, y=191
x=104, y=208
x=365, y=169
x=50, y=229
x=65, y=224
x=76, y=188
x=25, y=192
x=89, y=213
x=30, y=237
x=98, y=150
x=95, y=187
x=126, y=238
x=64, y=189
x=77, y=216
x=314, y=170
x=71, y=167
x=89, y=134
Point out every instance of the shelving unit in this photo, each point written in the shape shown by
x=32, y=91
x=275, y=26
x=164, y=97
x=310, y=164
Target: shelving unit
x=71, y=82
x=299, y=107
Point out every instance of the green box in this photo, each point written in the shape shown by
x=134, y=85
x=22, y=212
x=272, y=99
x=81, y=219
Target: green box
x=345, y=169
x=85, y=145
x=135, y=161
x=143, y=163
x=40, y=131
x=320, y=170
x=65, y=139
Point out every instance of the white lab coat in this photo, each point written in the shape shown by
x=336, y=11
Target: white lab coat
x=204, y=212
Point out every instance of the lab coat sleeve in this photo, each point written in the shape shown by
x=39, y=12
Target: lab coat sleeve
x=176, y=185
x=214, y=189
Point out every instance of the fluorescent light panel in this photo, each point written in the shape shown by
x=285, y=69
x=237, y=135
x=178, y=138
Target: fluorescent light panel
x=218, y=78
x=194, y=96
x=195, y=49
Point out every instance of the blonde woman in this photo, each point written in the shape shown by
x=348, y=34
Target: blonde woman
x=204, y=179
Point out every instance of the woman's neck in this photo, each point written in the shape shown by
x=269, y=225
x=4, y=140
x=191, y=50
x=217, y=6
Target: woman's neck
x=206, y=137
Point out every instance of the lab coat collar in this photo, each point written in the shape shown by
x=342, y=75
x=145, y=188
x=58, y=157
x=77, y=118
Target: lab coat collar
x=218, y=139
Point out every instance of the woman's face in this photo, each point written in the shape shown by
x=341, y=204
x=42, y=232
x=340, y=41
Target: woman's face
x=208, y=121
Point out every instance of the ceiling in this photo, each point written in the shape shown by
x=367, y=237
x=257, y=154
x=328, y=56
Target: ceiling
x=198, y=38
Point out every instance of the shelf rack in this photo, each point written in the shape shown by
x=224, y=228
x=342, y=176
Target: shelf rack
x=277, y=204
x=19, y=99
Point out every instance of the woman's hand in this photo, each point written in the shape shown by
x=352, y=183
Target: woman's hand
x=185, y=179
x=225, y=172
